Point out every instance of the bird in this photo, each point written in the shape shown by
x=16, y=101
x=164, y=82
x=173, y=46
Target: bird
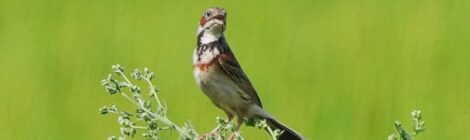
x=222, y=79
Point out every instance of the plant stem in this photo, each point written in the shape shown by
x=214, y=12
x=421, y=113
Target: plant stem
x=140, y=127
x=271, y=132
x=164, y=120
x=153, y=92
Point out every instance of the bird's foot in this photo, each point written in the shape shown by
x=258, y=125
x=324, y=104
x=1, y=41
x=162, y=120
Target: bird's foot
x=210, y=134
x=234, y=135
x=231, y=137
x=203, y=137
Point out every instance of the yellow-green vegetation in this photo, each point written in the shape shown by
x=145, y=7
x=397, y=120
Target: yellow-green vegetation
x=149, y=116
x=329, y=69
x=403, y=134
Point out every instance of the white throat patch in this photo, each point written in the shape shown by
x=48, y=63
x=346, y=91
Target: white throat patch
x=207, y=38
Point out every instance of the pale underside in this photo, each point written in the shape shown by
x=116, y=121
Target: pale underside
x=221, y=89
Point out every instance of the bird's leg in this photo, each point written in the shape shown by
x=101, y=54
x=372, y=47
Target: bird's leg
x=229, y=117
x=237, y=129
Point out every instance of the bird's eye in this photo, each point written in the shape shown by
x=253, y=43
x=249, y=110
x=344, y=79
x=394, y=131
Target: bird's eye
x=208, y=14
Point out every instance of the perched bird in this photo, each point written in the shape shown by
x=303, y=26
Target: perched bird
x=221, y=78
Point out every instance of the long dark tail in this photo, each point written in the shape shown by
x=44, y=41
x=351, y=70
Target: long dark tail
x=288, y=134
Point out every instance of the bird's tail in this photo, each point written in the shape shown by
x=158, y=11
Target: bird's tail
x=288, y=134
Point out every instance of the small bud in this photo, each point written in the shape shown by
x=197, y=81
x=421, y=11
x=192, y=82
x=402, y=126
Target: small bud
x=416, y=114
x=147, y=135
x=104, y=82
x=117, y=68
x=111, y=90
x=146, y=70
x=104, y=110
x=392, y=137
x=135, y=89
x=128, y=131
x=112, y=138
x=153, y=125
x=150, y=76
x=278, y=132
x=221, y=120
x=137, y=74
x=260, y=123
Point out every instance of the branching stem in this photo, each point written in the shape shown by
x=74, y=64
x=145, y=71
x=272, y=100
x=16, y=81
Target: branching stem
x=153, y=92
x=271, y=132
x=157, y=120
x=164, y=120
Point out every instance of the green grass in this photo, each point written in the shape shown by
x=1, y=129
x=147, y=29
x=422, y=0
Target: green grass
x=329, y=69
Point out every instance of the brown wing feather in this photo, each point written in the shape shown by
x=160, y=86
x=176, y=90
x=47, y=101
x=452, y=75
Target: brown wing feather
x=229, y=63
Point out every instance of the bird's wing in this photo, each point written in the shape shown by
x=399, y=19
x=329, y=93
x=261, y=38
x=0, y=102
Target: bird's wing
x=230, y=65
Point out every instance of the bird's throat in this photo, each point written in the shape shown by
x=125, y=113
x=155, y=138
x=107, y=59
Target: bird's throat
x=207, y=37
x=209, y=46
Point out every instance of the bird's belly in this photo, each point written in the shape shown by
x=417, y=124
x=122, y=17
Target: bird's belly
x=220, y=89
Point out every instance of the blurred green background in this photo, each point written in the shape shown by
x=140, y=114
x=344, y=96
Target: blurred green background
x=329, y=69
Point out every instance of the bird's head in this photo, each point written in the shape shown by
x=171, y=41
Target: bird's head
x=213, y=21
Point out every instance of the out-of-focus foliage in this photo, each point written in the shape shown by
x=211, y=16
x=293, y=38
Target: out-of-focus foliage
x=329, y=69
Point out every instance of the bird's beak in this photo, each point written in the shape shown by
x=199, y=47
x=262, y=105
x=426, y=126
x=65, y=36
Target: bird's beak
x=220, y=23
x=220, y=17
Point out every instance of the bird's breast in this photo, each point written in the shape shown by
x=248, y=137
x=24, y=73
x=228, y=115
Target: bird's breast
x=204, y=57
x=220, y=88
